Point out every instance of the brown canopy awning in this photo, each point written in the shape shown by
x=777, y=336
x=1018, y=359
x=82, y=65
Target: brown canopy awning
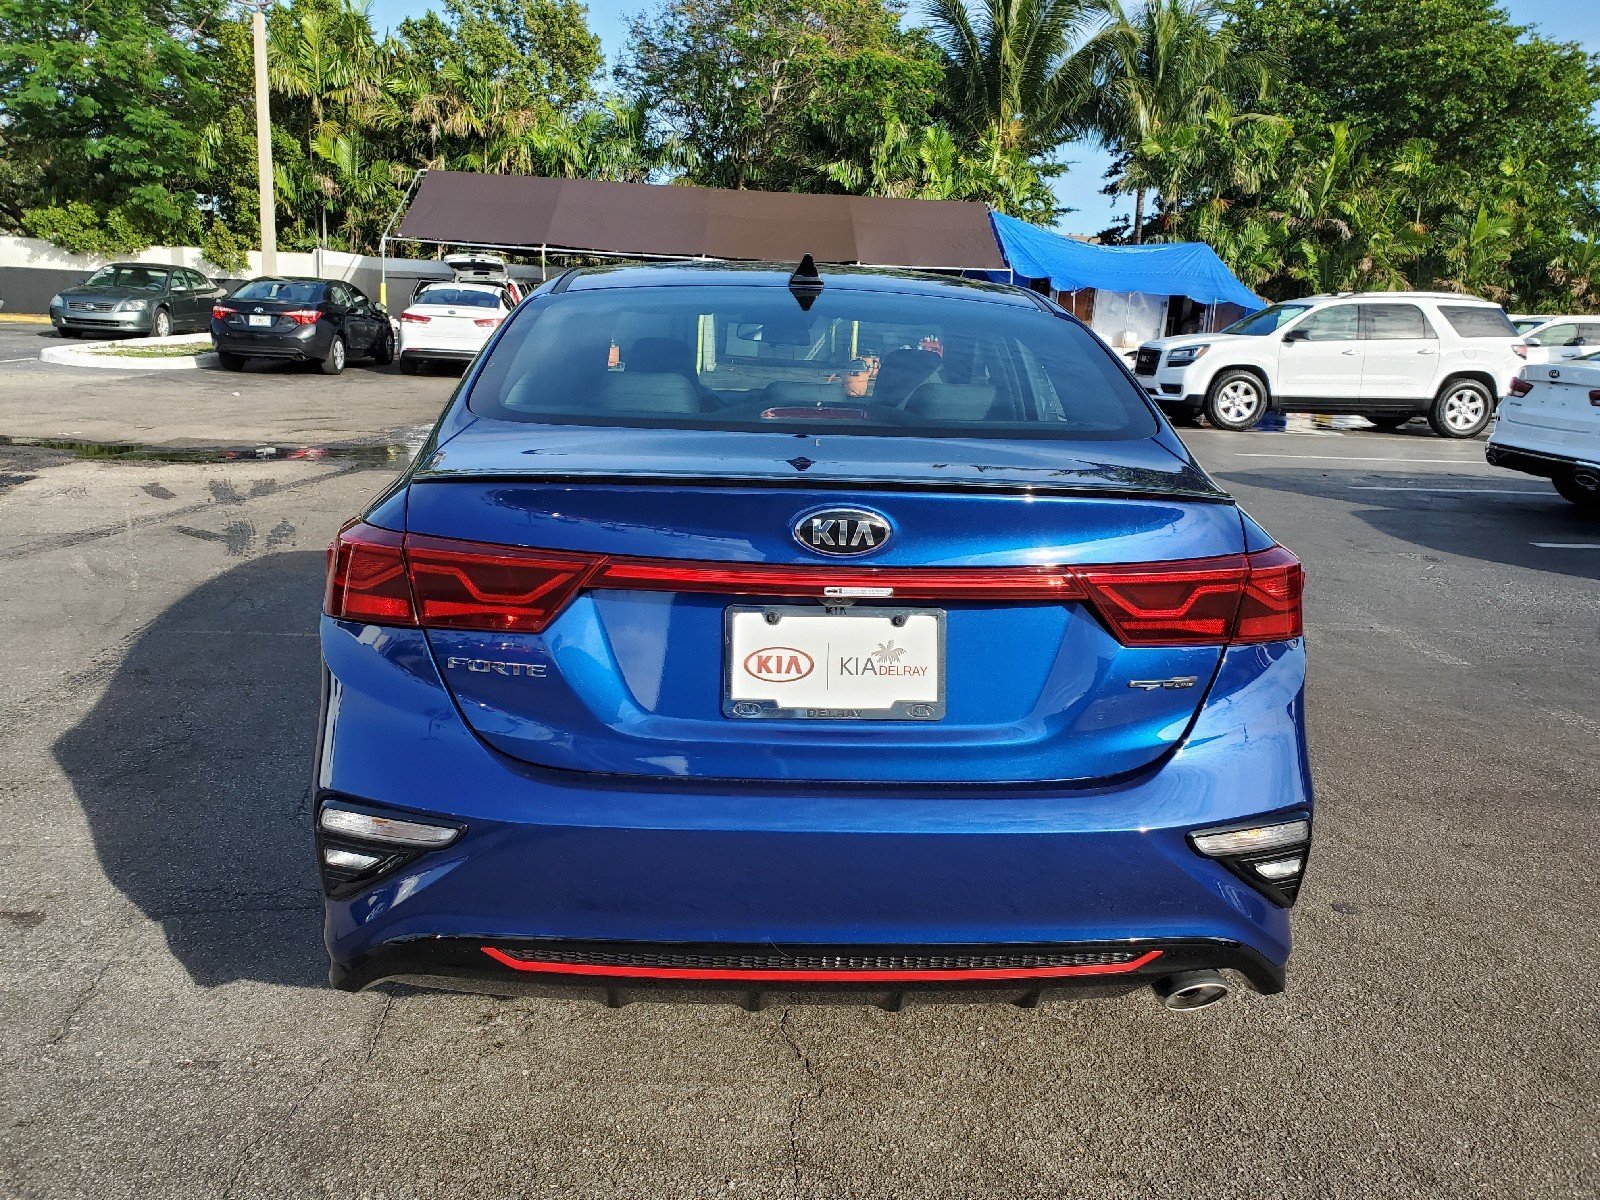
x=463, y=208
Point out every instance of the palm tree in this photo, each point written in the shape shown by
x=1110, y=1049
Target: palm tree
x=1017, y=78
x=1160, y=70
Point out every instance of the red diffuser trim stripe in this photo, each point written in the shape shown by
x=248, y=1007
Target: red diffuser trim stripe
x=760, y=976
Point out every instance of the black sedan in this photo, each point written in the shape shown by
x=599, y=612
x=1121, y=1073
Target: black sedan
x=136, y=298
x=304, y=320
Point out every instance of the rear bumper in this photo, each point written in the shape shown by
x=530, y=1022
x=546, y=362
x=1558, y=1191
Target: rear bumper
x=311, y=345
x=1544, y=464
x=439, y=353
x=552, y=857
x=884, y=975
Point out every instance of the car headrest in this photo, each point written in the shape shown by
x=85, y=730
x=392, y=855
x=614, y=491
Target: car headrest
x=658, y=354
x=952, y=401
x=802, y=393
x=646, y=393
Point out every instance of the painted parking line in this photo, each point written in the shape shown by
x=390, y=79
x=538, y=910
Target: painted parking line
x=30, y=358
x=1475, y=491
x=1566, y=545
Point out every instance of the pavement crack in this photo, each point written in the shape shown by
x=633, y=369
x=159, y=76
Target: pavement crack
x=377, y=1030
x=78, y=1006
x=813, y=1092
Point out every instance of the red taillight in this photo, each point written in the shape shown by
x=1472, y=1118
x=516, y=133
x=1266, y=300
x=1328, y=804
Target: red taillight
x=220, y=311
x=469, y=585
x=1594, y=397
x=367, y=577
x=303, y=316
x=1519, y=350
x=412, y=318
x=488, y=322
x=1520, y=387
x=475, y=585
x=1270, y=610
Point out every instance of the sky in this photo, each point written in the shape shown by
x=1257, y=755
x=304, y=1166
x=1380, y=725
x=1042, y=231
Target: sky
x=1079, y=188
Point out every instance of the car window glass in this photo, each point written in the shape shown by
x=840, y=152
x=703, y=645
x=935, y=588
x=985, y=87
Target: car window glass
x=1341, y=323
x=197, y=281
x=339, y=294
x=150, y=279
x=459, y=297
x=857, y=361
x=181, y=282
x=286, y=291
x=1268, y=320
x=1478, y=320
x=1588, y=333
x=1557, y=335
x=1386, y=322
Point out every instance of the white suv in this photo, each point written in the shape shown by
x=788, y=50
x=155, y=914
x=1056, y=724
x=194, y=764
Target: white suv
x=1388, y=356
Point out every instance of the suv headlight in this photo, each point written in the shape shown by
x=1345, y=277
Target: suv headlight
x=133, y=306
x=1184, y=355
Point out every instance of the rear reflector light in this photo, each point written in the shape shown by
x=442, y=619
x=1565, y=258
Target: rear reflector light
x=1594, y=397
x=219, y=311
x=1520, y=387
x=813, y=975
x=303, y=316
x=412, y=318
x=380, y=577
x=488, y=322
x=1520, y=351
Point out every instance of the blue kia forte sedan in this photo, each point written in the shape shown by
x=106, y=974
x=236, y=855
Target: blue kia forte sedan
x=745, y=631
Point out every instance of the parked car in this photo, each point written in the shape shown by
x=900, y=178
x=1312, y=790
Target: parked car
x=1526, y=323
x=1560, y=339
x=486, y=269
x=136, y=298
x=1550, y=426
x=308, y=320
x=1388, y=356
x=691, y=668
x=450, y=322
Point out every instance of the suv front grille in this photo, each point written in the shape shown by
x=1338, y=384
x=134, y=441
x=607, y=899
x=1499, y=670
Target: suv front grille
x=1146, y=362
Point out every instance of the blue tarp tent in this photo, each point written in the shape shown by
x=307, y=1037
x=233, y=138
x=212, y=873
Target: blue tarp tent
x=1172, y=269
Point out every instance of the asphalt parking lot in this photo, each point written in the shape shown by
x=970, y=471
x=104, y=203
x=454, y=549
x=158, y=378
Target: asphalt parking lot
x=165, y=1025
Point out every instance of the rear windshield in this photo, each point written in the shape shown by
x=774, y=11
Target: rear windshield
x=1478, y=320
x=287, y=291
x=461, y=297
x=750, y=358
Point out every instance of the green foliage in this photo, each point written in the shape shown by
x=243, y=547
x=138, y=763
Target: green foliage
x=770, y=92
x=102, y=105
x=80, y=228
x=223, y=250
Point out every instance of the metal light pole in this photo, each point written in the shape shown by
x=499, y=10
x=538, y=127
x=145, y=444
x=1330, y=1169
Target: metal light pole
x=269, y=217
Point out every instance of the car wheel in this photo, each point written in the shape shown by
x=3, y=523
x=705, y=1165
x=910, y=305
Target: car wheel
x=1587, y=499
x=230, y=362
x=333, y=364
x=1462, y=409
x=68, y=333
x=1388, y=420
x=410, y=366
x=1238, y=401
x=161, y=324
x=383, y=350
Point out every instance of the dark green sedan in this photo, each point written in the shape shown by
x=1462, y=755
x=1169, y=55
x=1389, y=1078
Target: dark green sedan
x=136, y=298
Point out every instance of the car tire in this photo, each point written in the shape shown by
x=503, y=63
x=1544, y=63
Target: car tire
x=1389, y=420
x=1462, y=409
x=383, y=349
x=230, y=362
x=1237, y=401
x=68, y=333
x=409, y=366
x=161, y=324
x=1587, y=499
x=333, y=362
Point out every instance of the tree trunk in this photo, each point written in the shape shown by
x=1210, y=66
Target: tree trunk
x=1138, y=217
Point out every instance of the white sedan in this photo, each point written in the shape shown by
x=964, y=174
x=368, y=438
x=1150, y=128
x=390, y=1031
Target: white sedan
x=450, y=322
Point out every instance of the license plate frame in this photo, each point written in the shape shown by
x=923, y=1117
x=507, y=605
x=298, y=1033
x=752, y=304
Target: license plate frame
x=748, y=707
x=260, y=320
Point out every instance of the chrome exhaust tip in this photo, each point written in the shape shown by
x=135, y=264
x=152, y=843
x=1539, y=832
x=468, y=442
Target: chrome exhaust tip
x=1588, y=480
x=1189, y=990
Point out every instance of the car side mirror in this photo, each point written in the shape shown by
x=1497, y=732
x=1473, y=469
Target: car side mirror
x=1297, y=335
x=1532, y=341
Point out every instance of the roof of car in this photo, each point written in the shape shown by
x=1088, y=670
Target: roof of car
x=1452, y=297
x=850, y=278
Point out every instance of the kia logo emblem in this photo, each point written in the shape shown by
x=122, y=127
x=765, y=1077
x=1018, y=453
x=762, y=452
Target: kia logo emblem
x=842, y=532
x=779, y=664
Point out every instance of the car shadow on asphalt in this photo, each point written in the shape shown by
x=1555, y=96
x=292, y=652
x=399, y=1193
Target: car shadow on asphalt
x=1490, y=525
x=193, y=771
